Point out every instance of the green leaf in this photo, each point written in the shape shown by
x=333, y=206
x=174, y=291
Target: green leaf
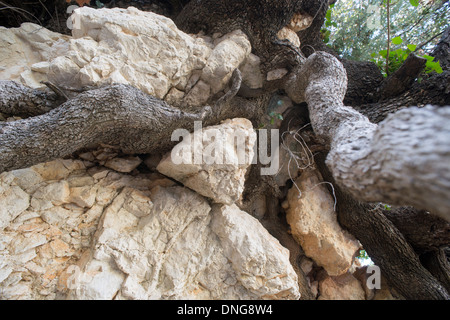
x=383, y=53
x=397, y=40
x=399, y=52
x=412, y=47
x=414, y=3
x=429, y=58
x=433, y=66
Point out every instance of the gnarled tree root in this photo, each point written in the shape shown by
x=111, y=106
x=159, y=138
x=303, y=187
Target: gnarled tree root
x=118, y=115
x=403, y=160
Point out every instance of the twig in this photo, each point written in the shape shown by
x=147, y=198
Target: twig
x=59, y=92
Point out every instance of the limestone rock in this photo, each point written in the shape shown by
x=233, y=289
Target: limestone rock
x=117, y=236
x=26, y=51
x=300, y=22
x=129, y=46
x=175, y=248
x=289, y=34
x=220, y=170
x=314, y=225
x=344, y=287
x=13, y=201
x=276, y=74
x=251, y=72
x=147, y=51
x=123, y=164
x=261, y=263
x=126, y=46
x=228, y=54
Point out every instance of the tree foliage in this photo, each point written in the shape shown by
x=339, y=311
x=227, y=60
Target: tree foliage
x=358, y=28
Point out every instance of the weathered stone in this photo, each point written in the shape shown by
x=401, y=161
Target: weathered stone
x=289, y=34
x=26, y=49
x=53, y=170
x=276, y=74
x=21, y=244
x=169, y=245
x=57, y=192
x=300, y=22
x=343, y=287
x=315, y=227
x=251, y=72
x=230, y=51
x=27, y=179
x=261, y=263
x=220, y=171
x=83, y=196
x=13, y=201
x=123, y=164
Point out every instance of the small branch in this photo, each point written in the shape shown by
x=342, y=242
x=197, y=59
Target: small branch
x=58, y=91
x=388, y=36
x=424, y=231
x=404, y=77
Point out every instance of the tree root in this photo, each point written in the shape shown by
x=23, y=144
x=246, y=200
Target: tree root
x=118, y=115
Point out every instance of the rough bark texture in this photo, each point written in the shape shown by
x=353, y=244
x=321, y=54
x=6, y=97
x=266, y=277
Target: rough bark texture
x=260, y=20
x=364, y=77
x=354, y=162
x=385, y=244
x=441, y=51
x=118, y=115
x=404, y=77
x=424, y=231
x=438, y=263
x=22, y=101
x=402, y=161
x=434, y=89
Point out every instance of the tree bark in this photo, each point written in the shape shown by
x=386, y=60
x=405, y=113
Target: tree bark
x=438, y=263
x=117, y=115
x=402, y=161
x=18, y=100
x=424, y=231
x=385, y=244
x=404, y=77
x=433, y=90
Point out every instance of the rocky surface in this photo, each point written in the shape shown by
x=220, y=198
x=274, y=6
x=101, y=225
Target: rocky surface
x=127, y=46
x=104, y=225
x=85, y=231
x=219, y=173
x=311, y=216
x=26, y=52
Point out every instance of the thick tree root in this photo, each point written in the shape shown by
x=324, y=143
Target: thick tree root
x=402, y=161
x=117, y=115
x=367, y=162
